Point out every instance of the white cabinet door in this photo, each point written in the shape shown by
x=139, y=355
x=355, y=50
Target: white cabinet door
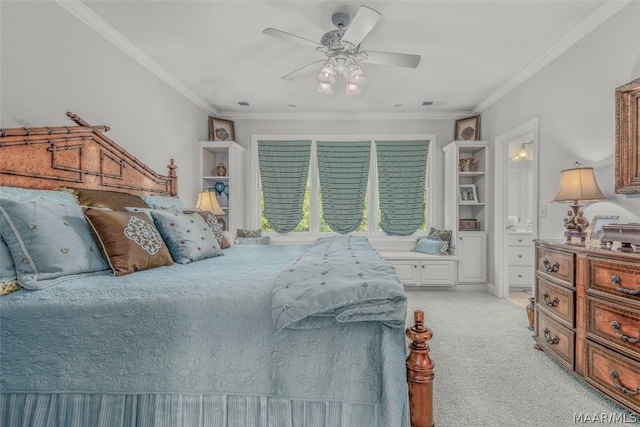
x=407, y=271
x=472, y=254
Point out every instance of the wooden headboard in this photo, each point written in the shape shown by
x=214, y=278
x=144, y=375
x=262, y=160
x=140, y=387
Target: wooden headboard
x=76, y=156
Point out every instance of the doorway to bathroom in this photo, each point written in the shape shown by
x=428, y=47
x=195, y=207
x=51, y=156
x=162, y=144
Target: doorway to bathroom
x=515, y=213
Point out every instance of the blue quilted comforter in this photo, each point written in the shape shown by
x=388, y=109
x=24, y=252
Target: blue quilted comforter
x=197, y=343
x=338, y=280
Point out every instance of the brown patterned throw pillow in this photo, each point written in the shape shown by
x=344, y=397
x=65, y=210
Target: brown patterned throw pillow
x=129, y=241
x=107, y=199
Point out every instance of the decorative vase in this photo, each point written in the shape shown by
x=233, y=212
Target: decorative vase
x=221, y=169
x=466, y=164
x=530, y=312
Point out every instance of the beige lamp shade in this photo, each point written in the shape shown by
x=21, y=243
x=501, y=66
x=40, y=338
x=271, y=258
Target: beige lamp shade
x=578, y=184
x=207, y=201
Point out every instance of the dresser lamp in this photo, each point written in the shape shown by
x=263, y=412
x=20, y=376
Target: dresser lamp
x=577, y=185
x=207, y=201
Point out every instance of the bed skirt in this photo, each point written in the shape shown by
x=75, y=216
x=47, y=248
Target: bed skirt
x=111, y=410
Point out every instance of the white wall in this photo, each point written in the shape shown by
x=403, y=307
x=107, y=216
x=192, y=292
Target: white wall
x=574, y=98
x=52, y=63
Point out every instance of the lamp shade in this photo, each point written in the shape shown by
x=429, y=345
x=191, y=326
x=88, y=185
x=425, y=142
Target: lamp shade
x=578, y=184
x=207, y=201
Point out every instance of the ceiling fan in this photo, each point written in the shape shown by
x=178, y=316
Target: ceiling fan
x=342, y=49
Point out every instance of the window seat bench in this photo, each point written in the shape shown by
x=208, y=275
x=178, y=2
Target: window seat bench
x=418, y=269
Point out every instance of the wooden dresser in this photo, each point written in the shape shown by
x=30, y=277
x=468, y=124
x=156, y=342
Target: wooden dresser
x=588, y=316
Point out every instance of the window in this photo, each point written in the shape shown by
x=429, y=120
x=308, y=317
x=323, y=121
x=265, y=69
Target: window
x=383, y=210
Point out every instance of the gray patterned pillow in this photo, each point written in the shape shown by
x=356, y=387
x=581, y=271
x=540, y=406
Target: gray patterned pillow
x=187, y=236
x=244, y=232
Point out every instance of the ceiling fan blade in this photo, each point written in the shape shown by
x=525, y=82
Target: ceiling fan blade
x=290, y=37
x=361, y=24
x=306, y=70
x=395, y=59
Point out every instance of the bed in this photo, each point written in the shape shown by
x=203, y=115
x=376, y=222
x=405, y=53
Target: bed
x=256, y=336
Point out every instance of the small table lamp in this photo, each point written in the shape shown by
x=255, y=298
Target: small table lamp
x=207, y=201
x=577, y=185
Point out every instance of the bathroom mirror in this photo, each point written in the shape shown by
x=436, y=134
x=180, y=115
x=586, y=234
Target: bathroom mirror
x=520, y=184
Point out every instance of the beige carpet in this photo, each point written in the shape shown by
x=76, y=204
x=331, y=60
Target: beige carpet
x=487, y=372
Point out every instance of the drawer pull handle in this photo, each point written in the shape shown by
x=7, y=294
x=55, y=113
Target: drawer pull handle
x=548, y=339
x=553, y=303
x=616, y=383
x=519, y=256
x=616, y=281
x=616, y=328
x=550, y=268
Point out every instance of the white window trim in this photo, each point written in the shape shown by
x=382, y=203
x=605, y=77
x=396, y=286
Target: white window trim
x=253, y=215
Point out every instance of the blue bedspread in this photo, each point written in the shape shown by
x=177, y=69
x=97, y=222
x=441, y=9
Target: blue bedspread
x=196, y=342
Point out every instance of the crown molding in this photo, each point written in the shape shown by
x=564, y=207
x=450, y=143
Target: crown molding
x=435, y=115
x=600, y=15
x=81, y=11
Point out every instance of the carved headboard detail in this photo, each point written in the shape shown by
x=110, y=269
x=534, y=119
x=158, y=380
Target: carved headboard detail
x=76, y=156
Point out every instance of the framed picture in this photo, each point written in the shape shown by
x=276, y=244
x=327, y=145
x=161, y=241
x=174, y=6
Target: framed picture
x=467, y=194
x=594, y=232
x=221, y=130
x=627, y=173
x=468, y=224
x=468, y=129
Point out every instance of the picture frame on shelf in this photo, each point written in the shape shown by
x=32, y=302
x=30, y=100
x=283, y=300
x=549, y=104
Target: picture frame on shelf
x=595, y=230
x=221, y=129
x=468, y=225
x=467, y=194
x=468, y=129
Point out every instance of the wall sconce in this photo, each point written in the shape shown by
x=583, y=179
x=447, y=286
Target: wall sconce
x=577, y=185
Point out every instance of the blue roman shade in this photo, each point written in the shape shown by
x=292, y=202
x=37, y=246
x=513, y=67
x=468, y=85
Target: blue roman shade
x=284, y=168
x=343, y=169
x=402, y=171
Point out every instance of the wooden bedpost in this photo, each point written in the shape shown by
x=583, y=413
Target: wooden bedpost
x=420, y=373
x=174, y=178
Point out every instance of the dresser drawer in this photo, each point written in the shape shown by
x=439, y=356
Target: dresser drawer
x=556, y=300
x=555, y=263
x=520, y=275
x=616, y=375
x=618, y=278
x=615, y=326
x=556, y=340
x=517, y=239
x=520, y=255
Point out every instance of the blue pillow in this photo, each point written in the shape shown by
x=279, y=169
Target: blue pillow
x=163, y=202
x=28, y=194
x=7, y=267
x=187, y=236
x=429, y=246
x=49, y=242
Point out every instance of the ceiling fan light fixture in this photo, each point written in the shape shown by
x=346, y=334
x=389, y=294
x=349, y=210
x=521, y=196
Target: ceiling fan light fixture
x=324, y=88
x=352, y=89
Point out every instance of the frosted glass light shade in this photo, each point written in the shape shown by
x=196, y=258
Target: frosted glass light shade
x=325, y=89
x=357, y=77
x=352, y=89
x=327, y=75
